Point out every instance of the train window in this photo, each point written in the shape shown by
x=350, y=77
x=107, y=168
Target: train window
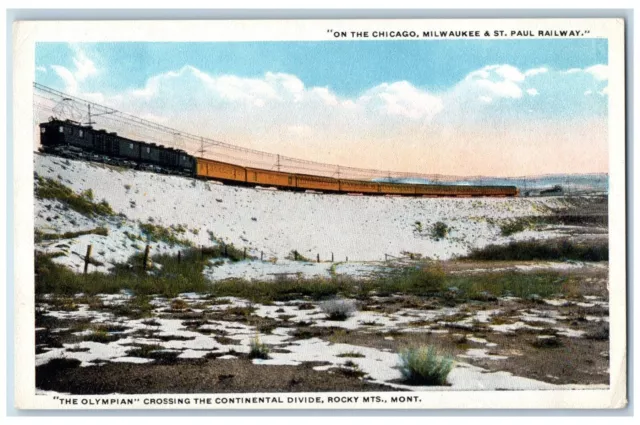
x=61, y=129
x=42, y=130
x=148, y=150
x=80, y=133
x=130, y=145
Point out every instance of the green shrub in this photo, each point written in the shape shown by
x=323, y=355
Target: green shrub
x=424, y=366
x=226, y=250
x=439, y=230
x=47, y=188
x=174, y=277
x=546, y=341
x=428, y=278
x=353, y=354
x=557, y=249
x=338, y=309
x=144, y=350
x=40, y=236
x=294, y=255
x=258, y=350
x=88, y=194
x=101, y=336
x=486, y=286
x=156, y=233
x=517, y=225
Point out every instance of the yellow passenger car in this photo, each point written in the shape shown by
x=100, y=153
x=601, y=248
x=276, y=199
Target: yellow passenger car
x=220, y=170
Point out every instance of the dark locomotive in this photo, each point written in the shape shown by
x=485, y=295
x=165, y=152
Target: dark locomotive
x=73, y=140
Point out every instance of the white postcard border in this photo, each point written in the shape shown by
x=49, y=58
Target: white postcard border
x=26, y=34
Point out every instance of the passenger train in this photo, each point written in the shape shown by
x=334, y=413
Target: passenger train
x=73, y=140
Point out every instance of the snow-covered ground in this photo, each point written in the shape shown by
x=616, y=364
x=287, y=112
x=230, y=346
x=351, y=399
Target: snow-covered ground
x=270, y=223
x=381, y=365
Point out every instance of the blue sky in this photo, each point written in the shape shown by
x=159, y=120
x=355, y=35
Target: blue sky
x=347, y=67
x=465, y=107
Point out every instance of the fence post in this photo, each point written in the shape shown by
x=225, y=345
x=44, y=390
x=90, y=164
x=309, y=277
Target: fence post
x=87, y=258
x=318, y=257
x=347, y=259
x=261, y=255
x=179, y=256
x=145, y=261
x=332, y=257
x=225, y=249
x=244, y=254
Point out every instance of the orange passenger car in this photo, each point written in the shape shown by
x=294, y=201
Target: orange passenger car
x=307, y=182
x=270, y=178
x=254, y=176
x=359, y=186
x=397, y=189
x=220, y=170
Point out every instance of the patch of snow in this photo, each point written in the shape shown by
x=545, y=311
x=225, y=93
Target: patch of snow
x=557, y=303
x=571, y=333
x=512, y=327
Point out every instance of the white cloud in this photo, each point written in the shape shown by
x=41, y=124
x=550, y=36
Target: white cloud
x=492, y=81
x=83, y=68
x=535, y=71
x=70, y=82
x=324, y=94
x=41, y=69
x=600, y=72
x=508, y=83
x=281, y=91
x=588, y=92
x=509, y=72
x=401, y=99
x=604, y=91
x=283, y=113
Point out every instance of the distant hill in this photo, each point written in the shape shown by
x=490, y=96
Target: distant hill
x=568, y=182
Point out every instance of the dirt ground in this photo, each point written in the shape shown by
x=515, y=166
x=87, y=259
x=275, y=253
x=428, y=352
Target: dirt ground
x=196, y=376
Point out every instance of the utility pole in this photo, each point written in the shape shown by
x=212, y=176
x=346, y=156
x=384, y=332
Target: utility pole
x=90, y=115
x=201, y=147
x=278, y=163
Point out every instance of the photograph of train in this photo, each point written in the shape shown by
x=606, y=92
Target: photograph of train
x=338, y=218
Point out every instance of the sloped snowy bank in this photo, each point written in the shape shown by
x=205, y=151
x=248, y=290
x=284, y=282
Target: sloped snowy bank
x=269, y=223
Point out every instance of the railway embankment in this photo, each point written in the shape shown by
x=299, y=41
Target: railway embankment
x=171, y=213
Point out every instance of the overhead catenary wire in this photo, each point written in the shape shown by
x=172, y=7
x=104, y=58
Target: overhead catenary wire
x=46, y=99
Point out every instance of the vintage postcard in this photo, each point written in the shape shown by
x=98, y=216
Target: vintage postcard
x=396, y=214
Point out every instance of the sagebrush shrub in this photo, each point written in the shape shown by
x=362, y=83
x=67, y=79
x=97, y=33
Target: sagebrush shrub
x=338, y=309
x=439, y=230
x=258, y=350
x=425, y=366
